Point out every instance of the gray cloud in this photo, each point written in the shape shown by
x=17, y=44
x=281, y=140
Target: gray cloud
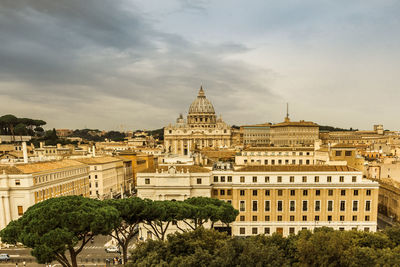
x=75, y=57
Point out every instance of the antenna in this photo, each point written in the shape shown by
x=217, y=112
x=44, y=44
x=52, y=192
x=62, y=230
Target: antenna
x=287, y=110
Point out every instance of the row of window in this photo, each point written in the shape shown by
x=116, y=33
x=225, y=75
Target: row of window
x=294, y=153
x=279, y=230
x=292, y=192
x=304, y=218
x=304, y=206
x=51, y=177
x=279, y=162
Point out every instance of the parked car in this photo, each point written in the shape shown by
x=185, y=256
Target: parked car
x=112, y=250
x=4, y=257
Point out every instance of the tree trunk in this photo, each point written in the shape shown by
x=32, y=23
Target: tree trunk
x=74, y=262
x=125, y=252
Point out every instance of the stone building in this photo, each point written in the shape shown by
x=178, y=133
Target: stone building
x=256, y=135
x=202, y=129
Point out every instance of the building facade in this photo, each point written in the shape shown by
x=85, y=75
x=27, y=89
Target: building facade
x=202, y=129
x=290, y=133
x=24, y=185
x=256, y=135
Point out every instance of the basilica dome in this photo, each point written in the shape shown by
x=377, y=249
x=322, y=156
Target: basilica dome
x=201, y=104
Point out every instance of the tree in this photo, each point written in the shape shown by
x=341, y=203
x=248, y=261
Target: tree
x=20, y=129
x=57, y=225
x=130, y=215
x=9, y=121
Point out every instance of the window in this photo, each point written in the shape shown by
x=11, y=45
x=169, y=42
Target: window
x=329, y=179
x=316, y=179
x=20, y=210
x=317, y=205
x=241, y=192
x=305, y=205
x=254, y=192
x=254, y=218
x=242, y=206
x=355, y=205
x=267, y=205
x=341, y=228
x=229, y=192
x=280, y=205
x=317, y=192
x=222, y=192
x=255, y=208
x=343, y=192
x=279, y=179
x=18, y=182
x=304, y=179
x=267, y=179
x=316, y=218
x=354, y=179
x=368, y=205
x=329, y=218
x=354, y=218
x=254, y=230
x=222, y=179
x=355, y=192
x=266, y=231
x=242, y=230
x=198, y=180
x=215, y=192
x=279, y=218
x=342, y=205
x=280, y=192
x=341, y=218
x=330, y=192
x=366, y=229
x=338, y=153
x=304, y=218
x=292, y=192
x=341, y=179
x=291, y=230
x=242, y=179
x=291, y=218
x=95, y=177
x=267, y=218
x=215, y=179
x=267, y=192
x=229, y=179
x=305, y=192
x=368, y=192
x=291, y=179
x=367, y=218
x=347, y=153
x=330, y=205
x=254, y=179
x=292, y=206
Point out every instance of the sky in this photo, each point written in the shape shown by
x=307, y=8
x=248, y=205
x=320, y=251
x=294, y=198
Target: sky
x=127, y=65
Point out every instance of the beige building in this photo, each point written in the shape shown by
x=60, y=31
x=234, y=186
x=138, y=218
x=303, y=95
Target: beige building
x=256, y=135
x=106, y=176
x=276, y=156
x=291, y=133
x=23, y=185
x=202, y=129
x=283, y=199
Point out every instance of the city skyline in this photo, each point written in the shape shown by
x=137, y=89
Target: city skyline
x=103, y=64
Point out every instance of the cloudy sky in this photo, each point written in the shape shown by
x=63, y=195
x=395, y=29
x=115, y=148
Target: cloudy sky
x=129, y=64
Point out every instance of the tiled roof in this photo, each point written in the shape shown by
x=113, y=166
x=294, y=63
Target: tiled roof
x=46, y=166
x=98, y=160
x=9, y=170
x=295, y=123
x=296, y=168
x=279, y=149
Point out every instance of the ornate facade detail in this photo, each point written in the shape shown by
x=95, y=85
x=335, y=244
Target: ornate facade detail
x=201, y=130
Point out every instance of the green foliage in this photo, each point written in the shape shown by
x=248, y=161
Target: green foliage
x=57, y=225
x=11, y=125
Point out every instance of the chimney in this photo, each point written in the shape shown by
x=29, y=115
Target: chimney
x=58, y=145
x=41, y=144
x=94, y=151
x=25, y=152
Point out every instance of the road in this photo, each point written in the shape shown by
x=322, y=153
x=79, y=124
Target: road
x=93, y=254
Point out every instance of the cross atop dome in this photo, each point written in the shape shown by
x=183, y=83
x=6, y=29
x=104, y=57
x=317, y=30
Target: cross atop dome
x=201, y=92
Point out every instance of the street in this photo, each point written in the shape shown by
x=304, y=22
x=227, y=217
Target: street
x=93, y=254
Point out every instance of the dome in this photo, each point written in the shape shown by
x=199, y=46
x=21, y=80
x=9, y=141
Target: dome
x=201, y=104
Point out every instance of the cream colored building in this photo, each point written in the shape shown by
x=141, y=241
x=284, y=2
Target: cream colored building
x=106, y=176
x=23, y=185
x=256, y=135
x=276, y=156
x=283, y=199
x=291, y=133
x=202, y=129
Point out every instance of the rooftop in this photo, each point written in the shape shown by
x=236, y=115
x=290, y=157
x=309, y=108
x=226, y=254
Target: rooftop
x=98, y=160
x=185, y=169
x=40, y=166
x=296, y=168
